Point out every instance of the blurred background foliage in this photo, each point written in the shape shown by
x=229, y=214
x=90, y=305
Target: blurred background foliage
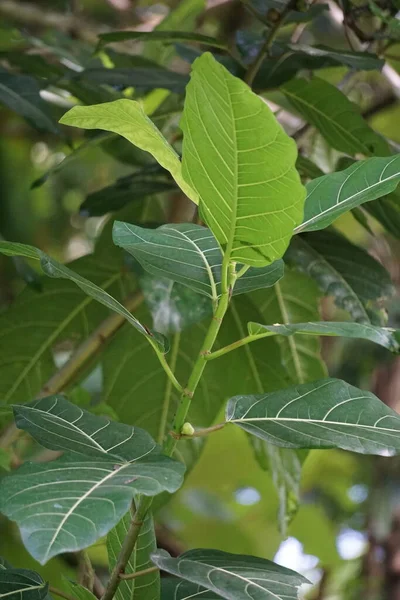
x=61, y=190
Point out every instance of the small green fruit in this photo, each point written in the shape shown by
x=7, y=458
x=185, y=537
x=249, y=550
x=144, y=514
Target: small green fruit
x=187, y=429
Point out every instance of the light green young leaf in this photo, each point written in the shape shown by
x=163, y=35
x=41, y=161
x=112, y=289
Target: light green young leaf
x=335, y=117
x=357, y=282
x=127, y=118
x=242, y=165
x=328, y=413
x=22, y=584
x=68, y=504
x=52, y=268
x=190, y=255
x=331, y=195
x=384, y=336
x=145, y=587
x=232, y=576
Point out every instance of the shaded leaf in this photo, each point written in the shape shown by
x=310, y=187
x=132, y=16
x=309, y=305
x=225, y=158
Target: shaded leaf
x=357, y=282
x=160, y=36
x=331, y=195
x=126, y=189
x=137, y=77
x=307, y=168
x=250, y=202
x=61, y=312
x=20, y=94
x=232, y=576
x=384, y=336
x=188, y=254
x=337, y=119
x=145, y=587
x=127, y=118
x=355, y=60
x=387, y=212
x=173, y=588
x=328, y=413
x=52, y=268
x=22, y=584
x=78, y=591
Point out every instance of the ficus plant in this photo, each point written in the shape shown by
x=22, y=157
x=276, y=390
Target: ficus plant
x=261, y=230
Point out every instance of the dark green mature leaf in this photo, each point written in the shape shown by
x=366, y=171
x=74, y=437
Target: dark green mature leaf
x=242, y=165
x=160, y=36
x=384, y=336
x=60, y=313
x=355, y=60
x=20, y=93
x=80, y=500
x=190, y=255
x=307, y=168
x=173, y=588
x=328, y=413
x=357, y=282
x=73, y=495
x=77, y=591
x=331, y=195
x=145, y=587
x=387, y=212
x=60, y=425
x=337, y=119
x=127, y=118
x=52, y=268
x=131, y=188
x=22, y=584
x=294, y=16
x=137, y=77
x=232, y=576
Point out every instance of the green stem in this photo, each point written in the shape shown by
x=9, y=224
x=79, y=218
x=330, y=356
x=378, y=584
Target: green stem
x=168, y=370
x=127, y=547
x=246, y=340
x=171, y=441
x=266, y=47
x=86, y=571
x=242, y=271
x=197, y=372
x=168, y=388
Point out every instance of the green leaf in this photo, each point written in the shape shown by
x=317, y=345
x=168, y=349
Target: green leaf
x=242, y=165
x=354, y=60
x=190, y=255
x=78, y=591
x=387, y=212
x=293, y=299
x=68, y=504
x=173, y=588
x=137, y=77
x=328, y=413
x=173, y=306
x=127, y=118
x=60, y=425
x=384, y=336
x=357, y=282
x=331, y=195
x=22, y=584
x=60, y=313
x=160, y=36
x=131, y=188
x=52, y=268
x=232, y=576
x=183, y=17
x=145, y=587
x=337, y=119
x=20, y=93
x=307, y=168
x=285, y=468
